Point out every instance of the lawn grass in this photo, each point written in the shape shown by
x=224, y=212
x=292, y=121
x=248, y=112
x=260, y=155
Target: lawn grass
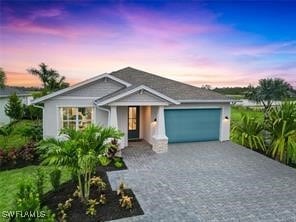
x=16, y=140
x=238, y=111
x=11, y=178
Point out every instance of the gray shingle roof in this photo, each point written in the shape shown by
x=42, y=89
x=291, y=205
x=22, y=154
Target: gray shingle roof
x=7, y=91
x=173, y=89
x=118, y=92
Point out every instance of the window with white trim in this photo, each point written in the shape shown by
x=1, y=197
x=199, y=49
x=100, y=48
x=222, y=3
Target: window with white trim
x=76, y=117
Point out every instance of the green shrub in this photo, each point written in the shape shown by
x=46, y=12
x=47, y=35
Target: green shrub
x=91, y=210
x=27, y=199
x=118, y=163
x=248, y=132
x=281, y=123
x=32, y=132
x=55, y=178
x=5, y=131
x=104, y=160
x=49, y=216
x=14, y=107
x=39, y=178
x=32, y=113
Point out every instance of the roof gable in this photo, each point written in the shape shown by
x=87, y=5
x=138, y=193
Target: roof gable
x=130, y=92
x=70, y=89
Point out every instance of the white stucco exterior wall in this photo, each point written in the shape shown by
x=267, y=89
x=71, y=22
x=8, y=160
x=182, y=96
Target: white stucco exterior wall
x=225, y=123
x=101, y=117
x=3, y=118
x=146, y=123
x=3, y=101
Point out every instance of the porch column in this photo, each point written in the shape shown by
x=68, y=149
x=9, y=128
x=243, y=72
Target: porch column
x=113, y=117
x=114, y=123
x=160, y=140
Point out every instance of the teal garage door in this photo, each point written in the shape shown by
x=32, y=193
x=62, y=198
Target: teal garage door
x=192, y=125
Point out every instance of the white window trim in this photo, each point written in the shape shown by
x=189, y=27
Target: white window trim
x=59, y=118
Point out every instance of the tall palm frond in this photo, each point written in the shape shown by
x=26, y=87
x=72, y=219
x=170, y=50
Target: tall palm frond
x=248, y=132
x=281, y=124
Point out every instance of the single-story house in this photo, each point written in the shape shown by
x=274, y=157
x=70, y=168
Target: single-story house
x=142, y=105
x=4, y=96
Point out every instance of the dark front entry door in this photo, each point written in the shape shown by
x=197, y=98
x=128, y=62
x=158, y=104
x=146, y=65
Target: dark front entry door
x=133, y=122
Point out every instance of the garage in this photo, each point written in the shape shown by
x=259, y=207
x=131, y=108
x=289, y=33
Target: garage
x=192, y=125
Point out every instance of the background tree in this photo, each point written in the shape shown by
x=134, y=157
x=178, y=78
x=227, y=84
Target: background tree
x=14, y=107
x=56, y=84
x=50, y=78
x=206, y=86
x=269, y=90
x=2, y=78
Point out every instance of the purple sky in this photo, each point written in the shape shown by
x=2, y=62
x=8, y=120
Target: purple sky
x=202, y=42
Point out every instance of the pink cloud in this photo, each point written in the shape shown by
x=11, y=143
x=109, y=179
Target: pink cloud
x=51, y=12
x=175, y=47
x=68, y=32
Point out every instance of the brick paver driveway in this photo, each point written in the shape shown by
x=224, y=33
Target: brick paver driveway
x=208, y=181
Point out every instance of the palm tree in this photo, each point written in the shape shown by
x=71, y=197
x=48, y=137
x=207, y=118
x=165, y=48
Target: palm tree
x=2, y=78
x=50, y=78
x=281, y=124
x=79, y=152
x=268, y=91
x=55, y=84
x=248, y=132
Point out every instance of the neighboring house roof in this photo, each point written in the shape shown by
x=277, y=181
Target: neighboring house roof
x=165, y=88
x=7, y=91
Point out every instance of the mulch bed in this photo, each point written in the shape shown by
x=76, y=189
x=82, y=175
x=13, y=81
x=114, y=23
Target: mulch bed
x=18, y=164
x=111, y=167
x=77, y=213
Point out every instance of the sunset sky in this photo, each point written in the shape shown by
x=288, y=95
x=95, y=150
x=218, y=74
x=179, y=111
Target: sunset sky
x=201, y=42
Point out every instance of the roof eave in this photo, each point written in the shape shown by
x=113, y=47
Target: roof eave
x=206, y=101
x=6, y=96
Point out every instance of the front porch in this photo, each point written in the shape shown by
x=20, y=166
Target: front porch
x=139, y=113
x=140, y=123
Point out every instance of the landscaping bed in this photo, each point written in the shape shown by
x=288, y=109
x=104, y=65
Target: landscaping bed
x=112, y=167
x=18, y=164
x=19, y=158
x=104, y=212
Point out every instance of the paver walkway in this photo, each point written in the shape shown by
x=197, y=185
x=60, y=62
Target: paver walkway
x=208, y=181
